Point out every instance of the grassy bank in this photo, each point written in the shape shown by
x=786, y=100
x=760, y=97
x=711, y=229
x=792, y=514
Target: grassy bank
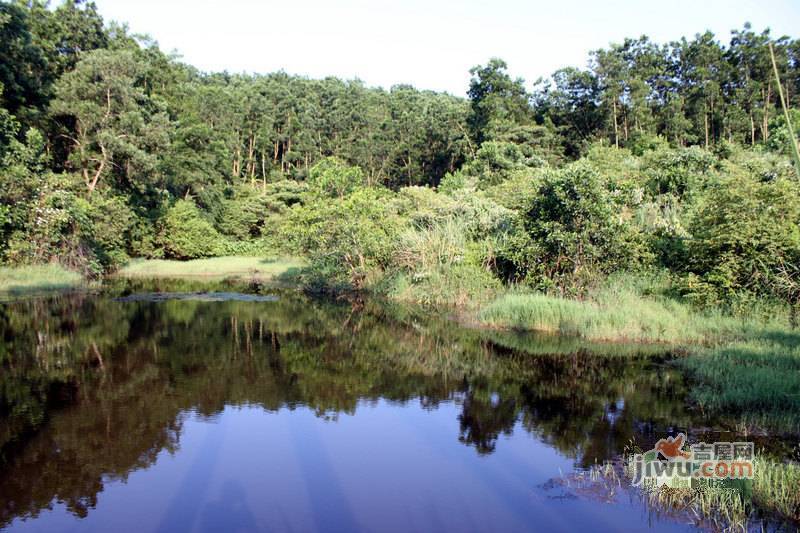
x=215, y=268
x=35, y=278
x=628, y=309
x=757, y=380
x=743, y=368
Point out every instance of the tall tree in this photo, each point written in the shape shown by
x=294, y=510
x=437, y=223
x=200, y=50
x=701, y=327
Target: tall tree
x=499, y=103
x=115, y=128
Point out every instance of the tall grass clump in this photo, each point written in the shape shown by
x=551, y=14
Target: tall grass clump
x=440, y=265
x=771, y=500
x=776, y=488
x=634, y=308
x=756, y=379
x=31, y=278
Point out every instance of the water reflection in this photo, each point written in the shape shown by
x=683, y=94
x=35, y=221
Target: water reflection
x=95, y=388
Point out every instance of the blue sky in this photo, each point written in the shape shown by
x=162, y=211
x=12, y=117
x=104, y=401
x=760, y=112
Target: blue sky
x=426, y=43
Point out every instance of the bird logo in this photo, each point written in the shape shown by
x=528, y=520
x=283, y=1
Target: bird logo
x=670, y=448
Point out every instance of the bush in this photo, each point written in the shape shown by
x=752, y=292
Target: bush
x=641, y=143
x=244, y=215
x=332, y=177
x=58, y=228
x=746, y=236
x=494, y=163
x=349, y=242
x=679, y=172
x=454, y=181
x=571, y=230
x=186, y=234
x=110, y=222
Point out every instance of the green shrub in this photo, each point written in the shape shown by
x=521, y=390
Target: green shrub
x=59, y=228
x=244, y=215
x=186, y=234
x=454, y=181
x=641, y=142
x=285, y=193
x=494, y=163
x=333, y=177
x=745, y=237
x=110, y=222
x=571, y=230
x=677, y=171
x=349, y=242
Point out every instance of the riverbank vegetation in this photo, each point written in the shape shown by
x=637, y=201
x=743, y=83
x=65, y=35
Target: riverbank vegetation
x=770, y=500
x=649, y=196
x=215, y=268
x=36, y=278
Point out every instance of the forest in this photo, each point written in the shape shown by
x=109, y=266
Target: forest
x=670, y=159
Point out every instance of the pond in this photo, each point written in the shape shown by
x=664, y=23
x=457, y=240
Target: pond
x=247, y=410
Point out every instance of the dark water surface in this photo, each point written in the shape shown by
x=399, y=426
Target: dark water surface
x=126, y=412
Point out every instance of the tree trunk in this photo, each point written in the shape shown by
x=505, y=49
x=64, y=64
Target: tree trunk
x=251, y=162
x=237, y=162
x=765, y=127
x=264, y=168
x=625, y=125
x=93, y=183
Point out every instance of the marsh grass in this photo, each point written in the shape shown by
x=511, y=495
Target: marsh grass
x=771, y=498
x=756, y=380
x=33, y=278
x=744, y=369
x=437, y=265
x=214, y=268
x=776, y=488
x=623, y=309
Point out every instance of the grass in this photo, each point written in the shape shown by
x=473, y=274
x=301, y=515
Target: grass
x=756, y=380
x=34, y=278
x=771, y=497
x=771, y=501
x=776, y=488
x=620, y=311
x=745, y=370
x=437, y=266
x=253, y=268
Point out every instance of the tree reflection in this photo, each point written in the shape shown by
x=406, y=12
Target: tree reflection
x=93, y=388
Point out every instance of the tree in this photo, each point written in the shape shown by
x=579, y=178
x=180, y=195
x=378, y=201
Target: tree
x=572, y=103
x=115, y=128
x=702, y=65
x=498, y=103
x=22, y=64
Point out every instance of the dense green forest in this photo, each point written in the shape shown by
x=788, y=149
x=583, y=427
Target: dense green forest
x=655, y=157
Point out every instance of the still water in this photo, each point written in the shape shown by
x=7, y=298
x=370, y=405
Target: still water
x=121, y=411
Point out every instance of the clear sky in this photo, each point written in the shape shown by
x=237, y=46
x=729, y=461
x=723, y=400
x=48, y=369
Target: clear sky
x=429, y=44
